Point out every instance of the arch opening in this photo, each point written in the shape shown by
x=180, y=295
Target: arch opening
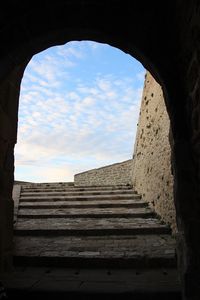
x=82, y=100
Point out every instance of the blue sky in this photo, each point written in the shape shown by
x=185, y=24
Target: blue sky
x=79, y=108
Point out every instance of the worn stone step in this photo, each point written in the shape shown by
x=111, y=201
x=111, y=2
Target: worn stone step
x=113, y=251
x=86, y=283
x=47, y=184
x=75, y=188
x=88, y=258
x=83, y=204
x=88, y=213
x=95, y=260
x=71, y=190
x=78, y=193
x=79, y=198
x=90, y=226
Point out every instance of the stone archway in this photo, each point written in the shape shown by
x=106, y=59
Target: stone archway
x=146, y=31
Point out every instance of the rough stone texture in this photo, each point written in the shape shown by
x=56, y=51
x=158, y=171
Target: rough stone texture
x=87, y=212
x=86, y=225
x=16, y=195
x=111, y=236
x=86, y=204
x=80, y=198
x=78, y=192
x=116, y=174
x=128, y=247
x=152, y=172
x=63, y=188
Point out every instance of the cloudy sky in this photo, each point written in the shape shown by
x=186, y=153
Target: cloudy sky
x=79, y=107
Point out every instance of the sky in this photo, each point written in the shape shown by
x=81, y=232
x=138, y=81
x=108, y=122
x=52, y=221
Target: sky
x=79, y=108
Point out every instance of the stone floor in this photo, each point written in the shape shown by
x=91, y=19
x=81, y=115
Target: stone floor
x=73, y=283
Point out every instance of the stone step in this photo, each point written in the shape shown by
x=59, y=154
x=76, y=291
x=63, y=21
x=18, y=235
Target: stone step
x=83, y=204
x=88, y=213
x=71, y=190
x=92, y=283
x=78, y=193
x=89, y=226
x=79, y=198
x=75, y=188
x=65, y=184
x=96, y=226
x=112, y=251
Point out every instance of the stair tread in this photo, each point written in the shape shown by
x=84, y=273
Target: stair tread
x=77, y=211
x=112, y=246
x=75, y=192
x=86, y=198
x=39, y=185
x=82, y=203
x=88, y=223
x=75, y=188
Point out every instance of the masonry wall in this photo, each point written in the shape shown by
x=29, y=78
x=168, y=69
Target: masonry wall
x=9, y=95
x=116, y=174
x=151, y=173
x=187, y=145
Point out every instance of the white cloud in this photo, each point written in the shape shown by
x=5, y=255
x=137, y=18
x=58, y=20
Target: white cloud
x=104, y=84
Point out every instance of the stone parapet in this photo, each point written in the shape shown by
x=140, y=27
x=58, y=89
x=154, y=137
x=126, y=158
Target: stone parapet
x=115, y=174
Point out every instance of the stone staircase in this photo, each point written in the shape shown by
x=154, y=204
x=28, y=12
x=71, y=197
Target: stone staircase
x=59, y=225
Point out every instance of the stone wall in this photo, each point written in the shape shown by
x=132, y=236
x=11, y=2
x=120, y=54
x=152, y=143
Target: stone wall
x=152, y=176
x=116, y=174
x=9, y=95
x=187, y=148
